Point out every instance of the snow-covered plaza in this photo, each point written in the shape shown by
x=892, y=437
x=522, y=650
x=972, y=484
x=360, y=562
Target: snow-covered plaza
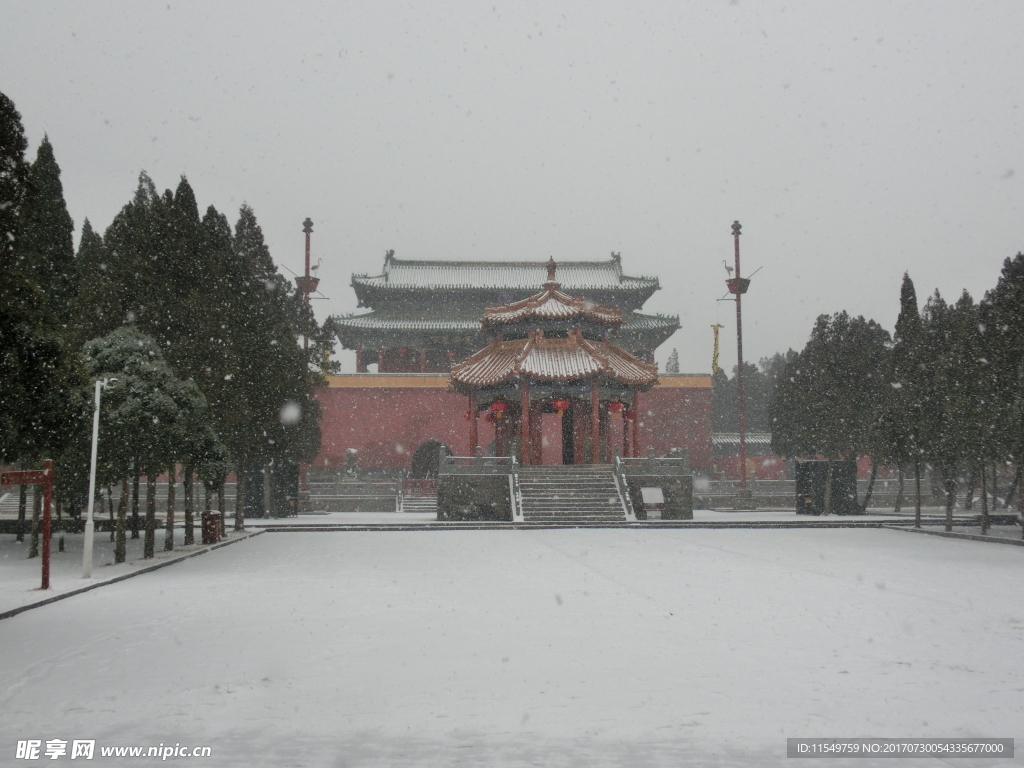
x=582, y=647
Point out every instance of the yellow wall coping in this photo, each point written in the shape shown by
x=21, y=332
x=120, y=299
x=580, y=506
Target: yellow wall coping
x=440, y=380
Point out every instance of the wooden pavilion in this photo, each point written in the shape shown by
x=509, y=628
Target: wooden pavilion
x=553, y=353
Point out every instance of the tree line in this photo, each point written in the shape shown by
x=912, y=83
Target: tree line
x=188, y=313
x=944, y=392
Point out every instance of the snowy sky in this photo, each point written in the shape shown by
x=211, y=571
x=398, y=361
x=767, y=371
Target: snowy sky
x=852, y=140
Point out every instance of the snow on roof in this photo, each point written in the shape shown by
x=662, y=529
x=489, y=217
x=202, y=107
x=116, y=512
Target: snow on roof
x=575, y=276
x=551, y=359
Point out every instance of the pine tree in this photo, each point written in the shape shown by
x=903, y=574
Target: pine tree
x=672, y=365
x=45, y=248
x=1002, y=317
x=97, y=308
x=272, y=373
x=827, y=399
x=951, y=345
x=902, y=416
x=14, y=173
x=40, y=378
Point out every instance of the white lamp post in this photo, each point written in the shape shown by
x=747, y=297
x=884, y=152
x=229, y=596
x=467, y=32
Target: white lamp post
x=101, y=384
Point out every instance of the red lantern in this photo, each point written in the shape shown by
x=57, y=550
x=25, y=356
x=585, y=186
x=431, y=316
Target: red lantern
x=616, y=407
x=560, y=404
x=489, y=417
x=498, y=408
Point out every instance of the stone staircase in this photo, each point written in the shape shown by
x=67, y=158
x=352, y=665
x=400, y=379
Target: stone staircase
x=420, y=503
x=581, y=493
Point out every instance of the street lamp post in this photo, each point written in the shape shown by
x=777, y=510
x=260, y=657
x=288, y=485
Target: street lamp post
x=101, y=384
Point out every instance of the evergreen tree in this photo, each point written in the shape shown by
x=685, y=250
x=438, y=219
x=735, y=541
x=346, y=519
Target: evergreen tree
x=40, y=378
x=152, y=420
x=827, y=400
x=758, y=386
x=955, y=418
x=97, y=308
x=672, y=365
x=45, y=248
x=1002, y=317
x=902, y=416
x=273, y=373
x=14, y=172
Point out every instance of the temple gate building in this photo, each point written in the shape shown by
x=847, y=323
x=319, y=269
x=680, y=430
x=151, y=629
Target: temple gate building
x=426, y=314
x=430, y=334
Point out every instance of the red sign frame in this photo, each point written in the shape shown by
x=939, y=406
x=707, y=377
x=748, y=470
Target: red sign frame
x=43, y=477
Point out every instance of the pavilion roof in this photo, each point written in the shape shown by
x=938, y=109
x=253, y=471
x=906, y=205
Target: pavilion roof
x=551, y=304
x=549, y=360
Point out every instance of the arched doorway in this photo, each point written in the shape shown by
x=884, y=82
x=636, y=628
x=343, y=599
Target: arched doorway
x=426, y=457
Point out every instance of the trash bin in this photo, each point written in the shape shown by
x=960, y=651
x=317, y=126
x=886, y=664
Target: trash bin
x=211, y=527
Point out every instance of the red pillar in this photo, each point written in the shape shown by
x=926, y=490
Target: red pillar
x=607, y=418
x=524, y=426
x=627, y=435
x=595, y=424
x=423, y=361
x=47, y=498
x=636, y=425
x=359, y=360
x=380, y=359
x=474, y=438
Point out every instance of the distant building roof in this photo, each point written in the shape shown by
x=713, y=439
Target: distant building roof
x=469, y=321
x=577, y=277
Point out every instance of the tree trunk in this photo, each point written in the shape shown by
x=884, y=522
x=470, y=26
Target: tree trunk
x=60, y=526
x=984, y=502
x=186, y=481
x=828, y=490
x=149, y=544
x=120, y=545
x=917, y=497
x=22, y=507
x=972, y=480
x=110, y=507
x=949, y=486
x=220, y=507
x=899, y=491
x=37, y=505
x=135, y=506
x=871, y=487
x=172, y=473
x=239, y=500
x=993, y=484
x=266, y=491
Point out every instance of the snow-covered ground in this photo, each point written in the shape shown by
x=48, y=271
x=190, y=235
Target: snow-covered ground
x=21, y=577
x=582, y=647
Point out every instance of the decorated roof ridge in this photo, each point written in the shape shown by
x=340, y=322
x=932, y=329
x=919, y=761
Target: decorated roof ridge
x=551, y=303
x=551, y=359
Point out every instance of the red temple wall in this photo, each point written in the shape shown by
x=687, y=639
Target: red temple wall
x=387, y=416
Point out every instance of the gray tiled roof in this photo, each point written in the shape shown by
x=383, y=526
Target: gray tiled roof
x=575, y=276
